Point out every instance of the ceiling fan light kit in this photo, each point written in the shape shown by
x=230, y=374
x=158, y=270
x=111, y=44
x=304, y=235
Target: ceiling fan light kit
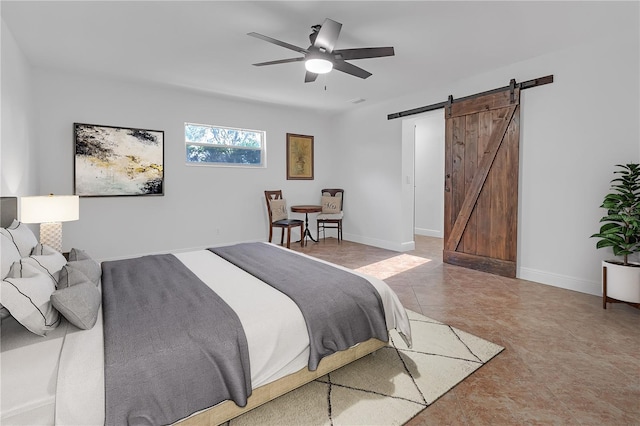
x=318, y=65
x=320, y=58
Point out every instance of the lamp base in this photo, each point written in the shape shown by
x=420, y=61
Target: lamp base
x=51, y=235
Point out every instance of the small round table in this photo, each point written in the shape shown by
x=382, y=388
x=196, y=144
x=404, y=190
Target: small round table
x=306, y=209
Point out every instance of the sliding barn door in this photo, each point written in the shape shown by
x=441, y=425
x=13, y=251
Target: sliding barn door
x=481, y=182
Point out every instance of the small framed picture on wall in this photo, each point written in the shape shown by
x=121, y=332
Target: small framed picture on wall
x=299, y=157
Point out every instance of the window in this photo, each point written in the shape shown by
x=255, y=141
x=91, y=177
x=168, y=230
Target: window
x=224, y=146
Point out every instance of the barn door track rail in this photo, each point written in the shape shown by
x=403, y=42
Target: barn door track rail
x=447, y=104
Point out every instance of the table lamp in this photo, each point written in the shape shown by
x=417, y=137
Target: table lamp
x=50, y=211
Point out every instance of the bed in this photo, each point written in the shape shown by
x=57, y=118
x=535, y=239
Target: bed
x=60, y=378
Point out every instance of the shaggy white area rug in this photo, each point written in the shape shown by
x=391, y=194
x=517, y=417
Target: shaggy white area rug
x=388, y=387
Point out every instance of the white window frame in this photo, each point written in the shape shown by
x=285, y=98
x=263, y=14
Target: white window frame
x=262, y=149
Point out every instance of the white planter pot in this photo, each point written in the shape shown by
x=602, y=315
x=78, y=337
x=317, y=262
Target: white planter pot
x=623, y=282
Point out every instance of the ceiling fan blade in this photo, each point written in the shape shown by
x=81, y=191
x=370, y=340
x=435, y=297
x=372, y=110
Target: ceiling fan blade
x=310, y=76
x=364, y=53
x=351, y=69
x=328, y=35
x=280, y=61
x=278, y=42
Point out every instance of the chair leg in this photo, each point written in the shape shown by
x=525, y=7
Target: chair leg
x=317, y=231
x=301, y=236
x=288, y=237
x=270, y=233
x=339, y=231
x=282, y=236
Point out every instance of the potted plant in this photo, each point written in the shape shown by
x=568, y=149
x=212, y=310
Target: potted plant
x=621, y=232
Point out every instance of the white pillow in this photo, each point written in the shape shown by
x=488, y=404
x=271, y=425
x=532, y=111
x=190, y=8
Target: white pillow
x=331, y=204
x=21, y=236
x=26, y=293
x=50, y=261
x=9, y=254
x=41, y=249
x=278, y=210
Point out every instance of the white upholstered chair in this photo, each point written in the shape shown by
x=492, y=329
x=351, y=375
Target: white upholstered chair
x=332, y=211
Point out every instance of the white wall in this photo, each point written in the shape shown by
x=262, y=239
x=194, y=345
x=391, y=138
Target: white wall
x=572, y=133
x=202, y=206
x=586, y=122
x=371, y=167
x=18, y=169
x=429, y=173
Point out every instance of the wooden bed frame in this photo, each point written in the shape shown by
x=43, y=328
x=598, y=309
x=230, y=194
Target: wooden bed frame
x=227, y=410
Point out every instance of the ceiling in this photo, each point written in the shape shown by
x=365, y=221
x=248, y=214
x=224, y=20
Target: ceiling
x=203, y=46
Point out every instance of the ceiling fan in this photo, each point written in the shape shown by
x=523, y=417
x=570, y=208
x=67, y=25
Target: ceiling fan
x=320, y=57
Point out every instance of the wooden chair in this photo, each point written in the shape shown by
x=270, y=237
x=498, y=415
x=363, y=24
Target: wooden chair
x=331, y=220
x=279, y=217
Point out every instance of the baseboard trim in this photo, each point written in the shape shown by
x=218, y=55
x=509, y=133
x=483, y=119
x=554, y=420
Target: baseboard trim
x=561, y=281
x=388, y=245
x=428, y=232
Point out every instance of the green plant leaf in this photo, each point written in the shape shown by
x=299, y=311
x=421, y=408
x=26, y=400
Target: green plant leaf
x=605, y=243
x=610, y=227
x=620, y=228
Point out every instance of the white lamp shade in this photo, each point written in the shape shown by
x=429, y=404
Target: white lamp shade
x=49, y=208
x=318, y=65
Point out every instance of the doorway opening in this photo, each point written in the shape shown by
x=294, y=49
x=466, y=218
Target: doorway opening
x=429, y=146
x=423, y=171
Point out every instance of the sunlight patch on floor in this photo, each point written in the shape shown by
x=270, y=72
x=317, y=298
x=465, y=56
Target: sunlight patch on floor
x=392, y=266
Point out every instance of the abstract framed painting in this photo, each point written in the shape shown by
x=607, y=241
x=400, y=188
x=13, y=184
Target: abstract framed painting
x=299, y=157
x=117, y=161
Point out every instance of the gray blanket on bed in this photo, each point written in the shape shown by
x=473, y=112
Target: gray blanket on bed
x=172, y=345
x=340, y=308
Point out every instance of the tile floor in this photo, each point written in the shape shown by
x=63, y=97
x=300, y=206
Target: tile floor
x=567, y=360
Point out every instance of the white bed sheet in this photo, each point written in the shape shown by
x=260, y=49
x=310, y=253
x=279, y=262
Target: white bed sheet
x=275, y=329
x=28, y=374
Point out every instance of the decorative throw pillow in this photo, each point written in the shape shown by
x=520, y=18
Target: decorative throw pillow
x=26, y=293
x=88, y=267
x=278, y=210
x=9, y=254
x=79, y=304
x=331, y=204
x=50, y=261
x=70, y=276
x=77, y=254
x=21, y=236
x=81, y=262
